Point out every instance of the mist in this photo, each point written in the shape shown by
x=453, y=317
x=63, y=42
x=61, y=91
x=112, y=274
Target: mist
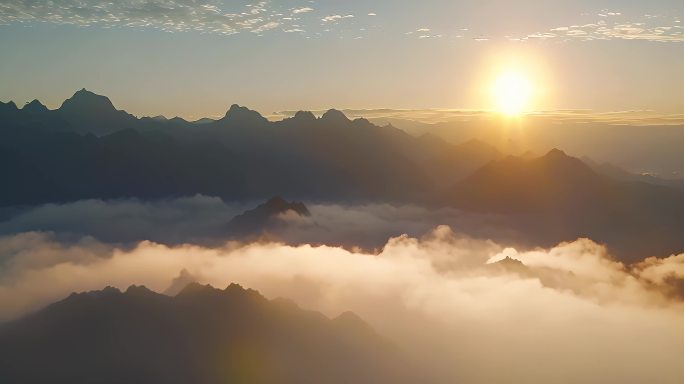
x=469, y=310
x=203, y=220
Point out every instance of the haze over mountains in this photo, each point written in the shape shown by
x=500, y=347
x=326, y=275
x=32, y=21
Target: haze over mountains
x=448, y=303
x=341, y=192
x=557, y=197
x=201, y=335
x=460, y=252
x=641, y=142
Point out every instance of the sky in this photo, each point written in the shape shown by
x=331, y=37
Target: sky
x=194, y=58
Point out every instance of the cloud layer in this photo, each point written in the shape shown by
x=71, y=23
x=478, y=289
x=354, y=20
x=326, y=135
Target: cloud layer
x=203, y=220
x=232, y=17
x=614, y=26
x=565, y=315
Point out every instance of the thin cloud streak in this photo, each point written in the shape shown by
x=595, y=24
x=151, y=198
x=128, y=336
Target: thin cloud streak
x=613, y=26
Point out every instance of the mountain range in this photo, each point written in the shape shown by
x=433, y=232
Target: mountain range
x=557, y=197
x=200, y=335
x=630, y=140
x=87, y=149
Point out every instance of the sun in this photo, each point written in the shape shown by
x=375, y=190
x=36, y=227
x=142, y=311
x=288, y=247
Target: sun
x=512, y=92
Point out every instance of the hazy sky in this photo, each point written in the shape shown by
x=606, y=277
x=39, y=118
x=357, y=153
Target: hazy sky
x=194, y=58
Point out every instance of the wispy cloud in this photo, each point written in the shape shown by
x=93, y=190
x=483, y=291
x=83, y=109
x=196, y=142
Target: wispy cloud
x=167, y=15
x=302, y=10
x=332, y=18
x=424, y=33
x=614, y=26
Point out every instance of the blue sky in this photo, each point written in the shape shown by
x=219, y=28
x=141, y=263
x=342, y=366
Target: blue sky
x=194, y=58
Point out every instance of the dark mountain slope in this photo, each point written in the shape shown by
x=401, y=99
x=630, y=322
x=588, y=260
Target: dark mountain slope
x=463, y=159
x=87, y=112
x=549, y=183
x=88, y=149
x=557, y=198
x=35, y=106
x=264, y=217
x=124, y=164
x=202, y=335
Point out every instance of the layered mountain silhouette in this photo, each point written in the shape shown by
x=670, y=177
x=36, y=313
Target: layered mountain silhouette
x=557, y=197
x=553, y=182
x=84, y=112
x=202, y=335
x=88, y=149
x=265, y=216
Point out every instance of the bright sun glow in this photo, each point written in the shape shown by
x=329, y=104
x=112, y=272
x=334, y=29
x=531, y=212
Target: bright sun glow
x=512, y=92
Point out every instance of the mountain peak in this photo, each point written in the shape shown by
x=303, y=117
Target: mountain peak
x=243, y=115
x=8, y=106
x=107, y=291
x=258, y=219
x=304, y=116
x=87, y=100
x=138, y=290
x=234, y=287
x=551, y=183
x=35, y=106
x=195, y=288
x=509, y=261
x=561, y=161
x=279, y=205
x=556, y=153
x=152, y=338
x=335, y=116
x=237, y=290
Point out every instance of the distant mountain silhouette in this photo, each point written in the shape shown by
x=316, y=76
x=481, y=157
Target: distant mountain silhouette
x=244, y=117
x=202, y=335
x=264, y=216
x=84, y=101
x=651, y=143
x=557, y=197
x=553, y=182
x=6, y=109
x=334, y=116
x=88, y=149
x=304, y=117
x=509, y=265
x=204, y=120
x=87, y=112
x=617, y=173
x=35, y=106
x=180, y=282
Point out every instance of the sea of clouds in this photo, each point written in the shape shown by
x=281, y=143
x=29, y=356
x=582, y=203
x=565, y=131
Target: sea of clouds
x=468, y=308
